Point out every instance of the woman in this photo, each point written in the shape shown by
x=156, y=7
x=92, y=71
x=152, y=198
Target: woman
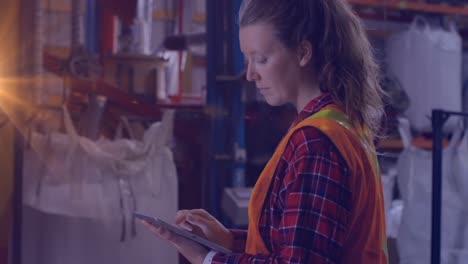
x=319, y=198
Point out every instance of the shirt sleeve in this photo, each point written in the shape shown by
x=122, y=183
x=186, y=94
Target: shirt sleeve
x=239, y=239
x=209, y=257
x=315, y=205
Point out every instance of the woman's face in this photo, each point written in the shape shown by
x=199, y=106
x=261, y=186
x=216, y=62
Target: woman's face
x=274, y=68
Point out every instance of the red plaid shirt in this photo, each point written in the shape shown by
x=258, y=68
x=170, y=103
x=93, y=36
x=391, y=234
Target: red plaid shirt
x=306, y=213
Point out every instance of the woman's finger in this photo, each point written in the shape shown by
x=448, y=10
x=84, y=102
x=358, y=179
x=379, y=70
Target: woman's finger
x=151, y=227
x=181, y=221
x=199, y=221
x=161, y=232
x=202, y=213
x=186, y=225
x=180, y=216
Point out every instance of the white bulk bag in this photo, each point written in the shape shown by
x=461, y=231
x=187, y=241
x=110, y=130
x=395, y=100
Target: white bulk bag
x=393, y=219
x=428, y=63
x=62, y=177
x=460, y=165
x=388, y=182
x=415, y=183
x=147, y=182
x=74, y=176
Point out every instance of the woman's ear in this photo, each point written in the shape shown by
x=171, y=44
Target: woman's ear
x=304, y=53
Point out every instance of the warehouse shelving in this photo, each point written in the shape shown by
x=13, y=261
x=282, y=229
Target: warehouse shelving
x=442, y=9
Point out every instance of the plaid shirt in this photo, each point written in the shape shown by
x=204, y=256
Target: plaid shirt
x=307, y=210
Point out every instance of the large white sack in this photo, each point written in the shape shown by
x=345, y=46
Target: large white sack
x=145, y=180
x=428, y=63
x=415, y=183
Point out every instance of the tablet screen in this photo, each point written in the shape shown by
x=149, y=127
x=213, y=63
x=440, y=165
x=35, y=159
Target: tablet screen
x=158, y=222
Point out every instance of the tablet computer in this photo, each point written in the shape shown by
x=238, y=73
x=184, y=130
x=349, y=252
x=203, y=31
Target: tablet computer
x=160, y=223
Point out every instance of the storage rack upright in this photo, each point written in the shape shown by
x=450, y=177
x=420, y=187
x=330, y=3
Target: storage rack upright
x=439, y=117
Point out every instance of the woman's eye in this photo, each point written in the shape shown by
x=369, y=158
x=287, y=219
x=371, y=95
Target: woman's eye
x=261, y=60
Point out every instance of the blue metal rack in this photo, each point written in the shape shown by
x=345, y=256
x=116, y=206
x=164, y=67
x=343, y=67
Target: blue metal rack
x=238, y=109
x=224, y=101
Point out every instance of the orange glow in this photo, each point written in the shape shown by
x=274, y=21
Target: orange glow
x=15, y=105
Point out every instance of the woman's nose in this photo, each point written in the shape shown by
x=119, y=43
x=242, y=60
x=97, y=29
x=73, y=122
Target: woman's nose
x=251, y=74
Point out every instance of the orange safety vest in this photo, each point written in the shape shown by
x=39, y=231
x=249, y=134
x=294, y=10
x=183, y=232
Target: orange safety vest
x=365, y=241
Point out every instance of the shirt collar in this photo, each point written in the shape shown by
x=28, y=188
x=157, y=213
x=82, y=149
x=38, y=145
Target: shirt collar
x=313, y=107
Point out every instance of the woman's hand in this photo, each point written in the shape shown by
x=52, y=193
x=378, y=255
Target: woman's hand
x=192, y=251
x=201, y=223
